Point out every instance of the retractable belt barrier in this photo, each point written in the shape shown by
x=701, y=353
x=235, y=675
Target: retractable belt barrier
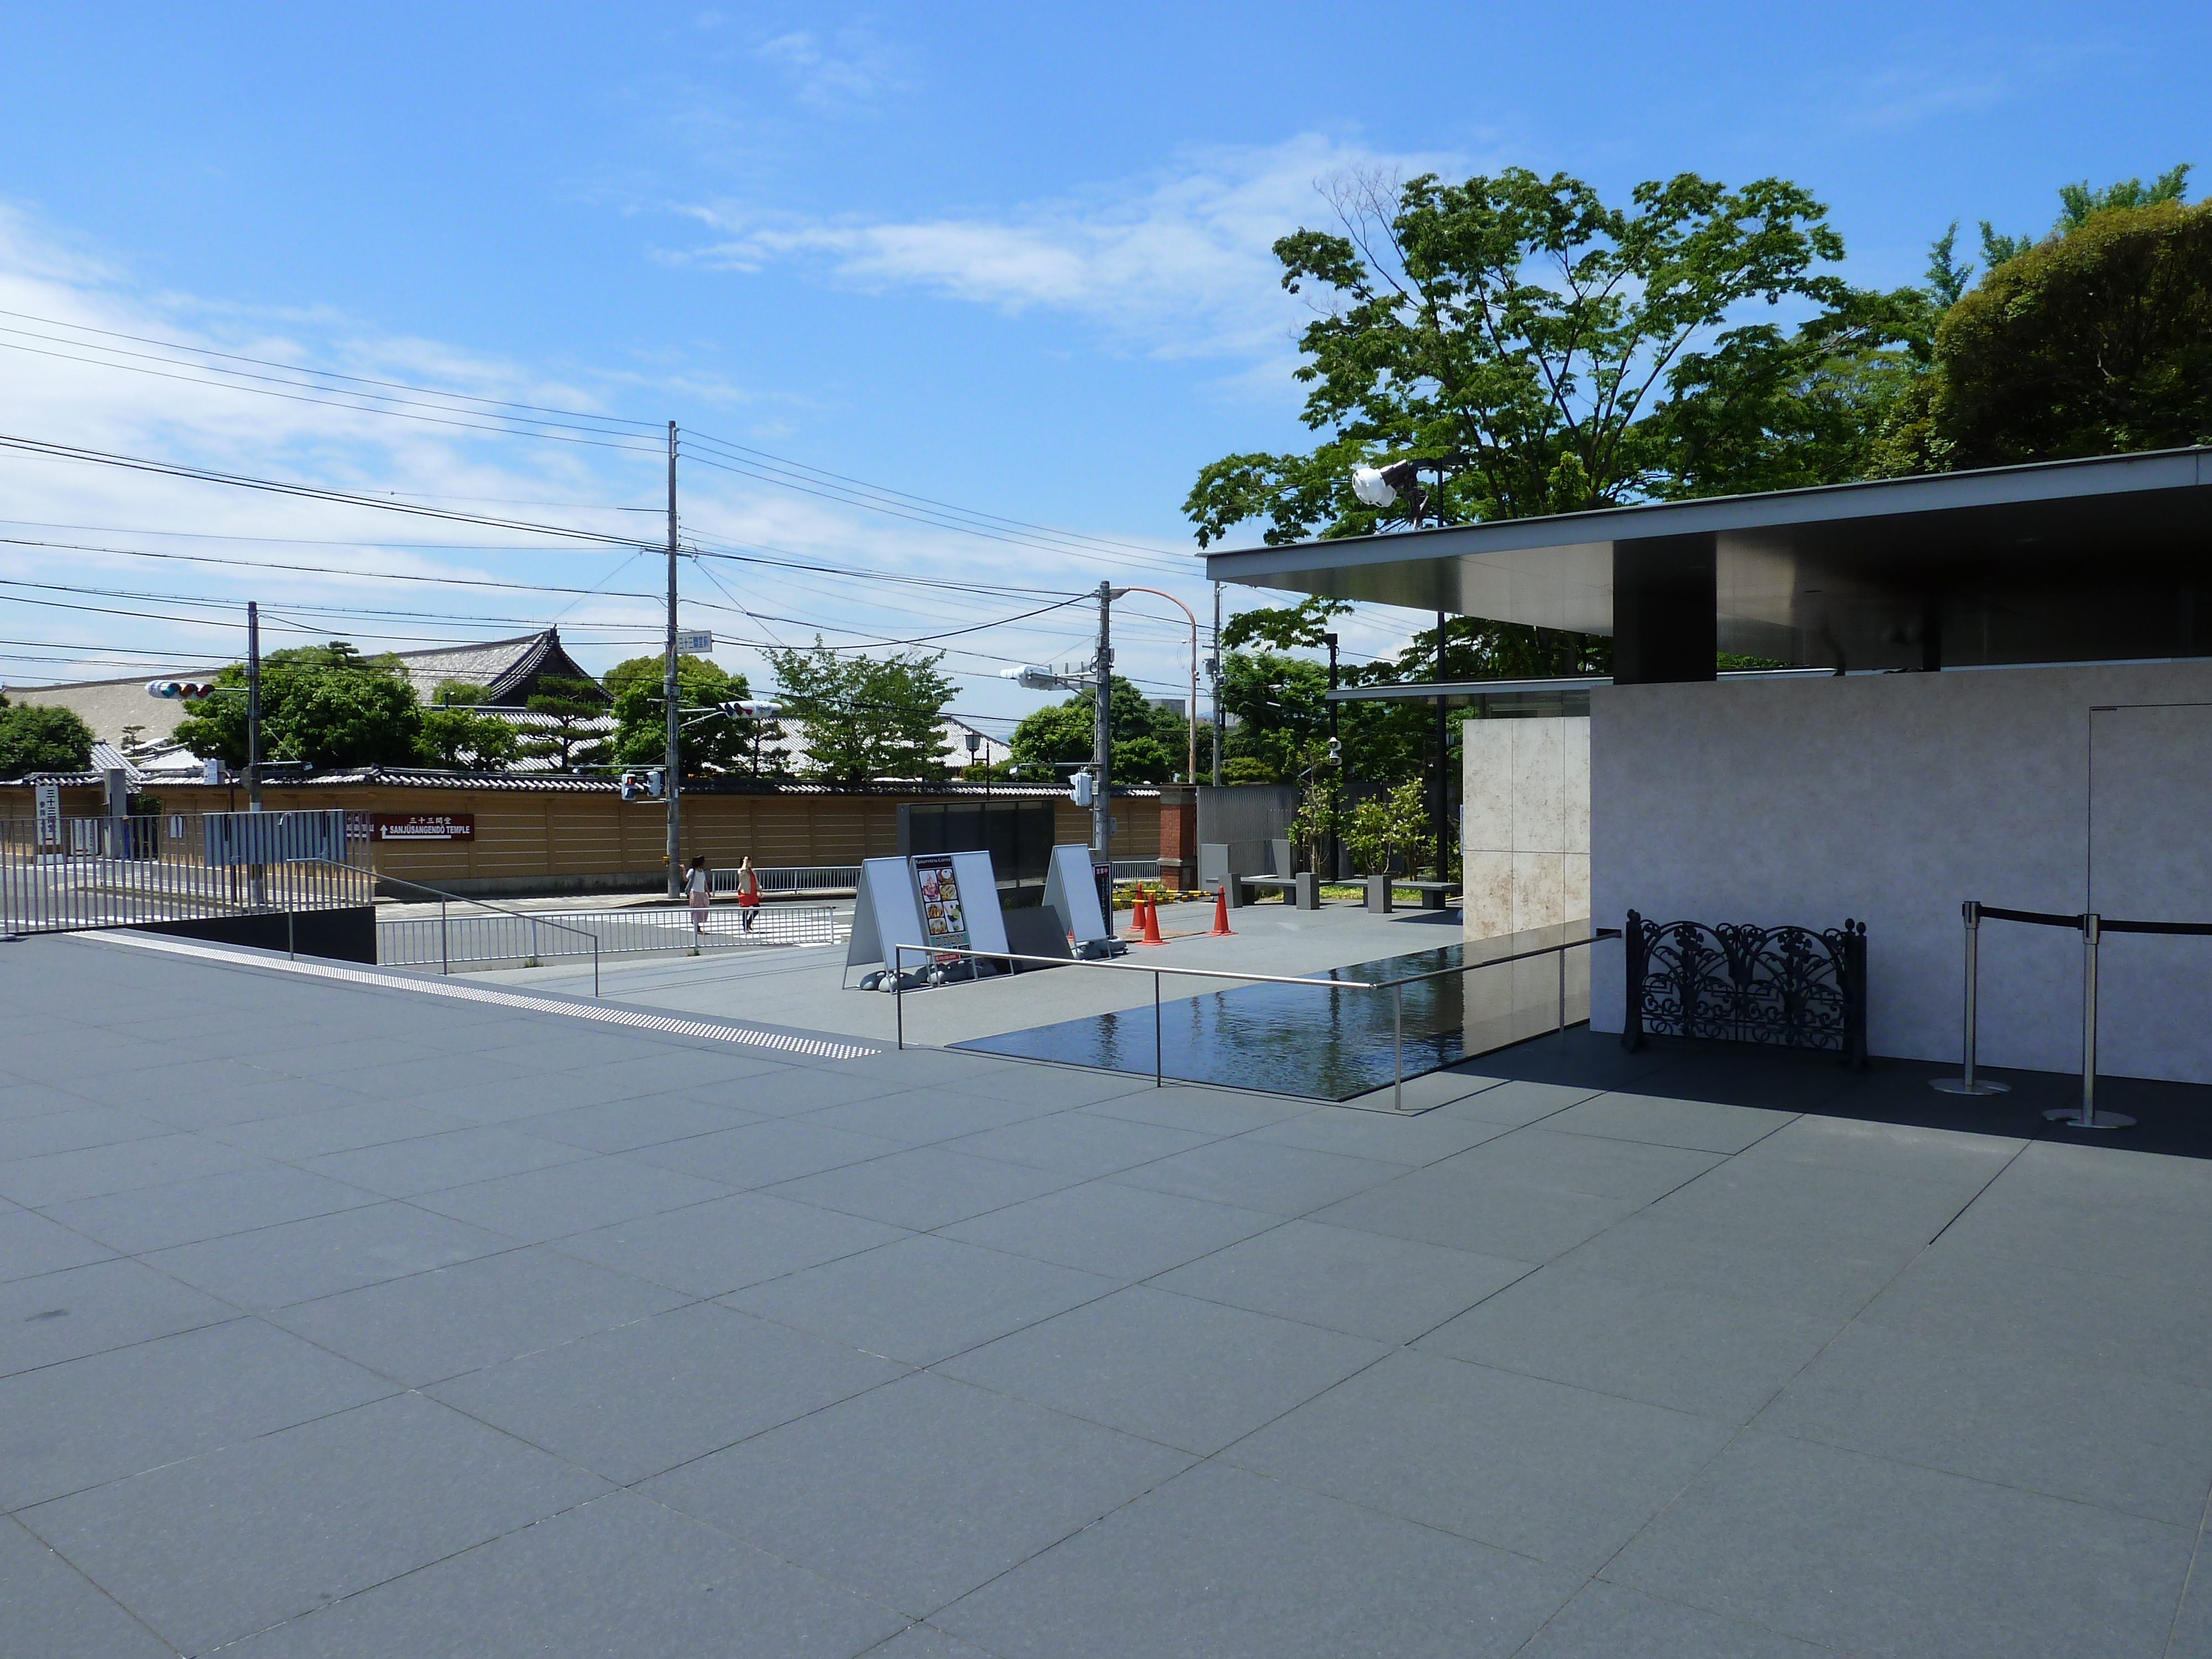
x=2092, y=928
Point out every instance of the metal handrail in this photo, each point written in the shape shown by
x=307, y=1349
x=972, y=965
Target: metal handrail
x=444, y=947
x=1396, y=986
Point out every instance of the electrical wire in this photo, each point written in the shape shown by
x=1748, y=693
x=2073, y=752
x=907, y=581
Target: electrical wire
x=328, y=373
x=308, y=492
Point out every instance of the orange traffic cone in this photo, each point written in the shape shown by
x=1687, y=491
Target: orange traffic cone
x=1220, y=928
x=1150, y=922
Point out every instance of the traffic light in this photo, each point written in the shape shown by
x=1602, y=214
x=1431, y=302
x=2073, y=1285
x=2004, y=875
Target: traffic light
x=1083, y=790
x=642, y=786
x=630, y=785
x=189, y=691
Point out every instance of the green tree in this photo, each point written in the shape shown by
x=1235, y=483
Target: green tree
x=2076, y=202
x=706, y=741
x=2094, y=342
x=865, y=717
x=1148, y=744
x=457, y=738
x=325, y=705
x=1388, y=828
x=1510, y=336
x=571, y=705
x=35, y=739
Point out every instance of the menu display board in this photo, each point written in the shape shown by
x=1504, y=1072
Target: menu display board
x=944, y=914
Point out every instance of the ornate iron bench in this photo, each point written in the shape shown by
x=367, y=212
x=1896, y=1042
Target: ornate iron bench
x=1787, y=987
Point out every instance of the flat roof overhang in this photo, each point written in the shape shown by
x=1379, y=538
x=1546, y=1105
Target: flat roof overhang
x=2103, y=559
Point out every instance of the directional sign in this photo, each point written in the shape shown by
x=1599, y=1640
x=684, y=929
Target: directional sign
x=696, y=643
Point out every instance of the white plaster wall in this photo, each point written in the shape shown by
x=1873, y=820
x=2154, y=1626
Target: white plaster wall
x=1525, y=825
x=1892, y=799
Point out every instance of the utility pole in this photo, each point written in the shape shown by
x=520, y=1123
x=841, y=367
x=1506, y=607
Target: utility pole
x=1216, y=685
x=1102, y=732
x=1336, y=771
x=1443, y=755
x=253, y=706
x=672, y=781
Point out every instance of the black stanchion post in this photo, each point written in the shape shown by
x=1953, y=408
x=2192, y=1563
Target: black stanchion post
x=1968, y=1083
x=2088, y=1117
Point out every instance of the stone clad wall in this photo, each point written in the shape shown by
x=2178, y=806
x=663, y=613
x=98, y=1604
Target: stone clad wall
x=1525, y=826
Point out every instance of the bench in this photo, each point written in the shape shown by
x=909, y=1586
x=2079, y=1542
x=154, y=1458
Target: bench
x=1433, y=893
x=1302, y=889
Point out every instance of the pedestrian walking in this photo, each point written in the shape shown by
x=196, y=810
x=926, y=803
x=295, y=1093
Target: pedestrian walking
x=696, y=894
x=749, y=893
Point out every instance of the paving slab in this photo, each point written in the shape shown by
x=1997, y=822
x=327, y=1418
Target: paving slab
x=922, y=1188
x=921, y=1299
x=1411, y=1141
x=30, y=1245
x=1695, y=1124
x=571, y=1197
x=2116, y=1439
x=1605, y=1621
x=1392, y=1290
x=921, y=1117
x=309, y=1515
x=125, y=1166
x=624, y=1126
x=432, y=1162
x=762, y=1154
x=1189, y=1374
x=300, y=1261
x=1561, y=1474
x=74, y=1311
x=1461, y=1210
x=438, y=1324
x=644, y=1397
x=1220, y=1563
x=1715, y=1356
x=1254, y=1174
x=54, y=1612
x=1122, y=1232
x=1078, y=1142
x=1876, y=1557
x=209, y=1206
x=919, y=1491
x=723, y=1245
x=618, y=1575
x=83, y=1423
x=73, y=1130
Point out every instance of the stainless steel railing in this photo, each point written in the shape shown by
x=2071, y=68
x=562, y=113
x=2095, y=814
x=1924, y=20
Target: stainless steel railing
x=447, y=901
x=1396, y=986
x=419, y=941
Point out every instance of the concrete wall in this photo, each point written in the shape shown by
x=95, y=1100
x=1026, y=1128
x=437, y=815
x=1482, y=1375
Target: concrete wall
x=1892, y=799
x=1525, y=826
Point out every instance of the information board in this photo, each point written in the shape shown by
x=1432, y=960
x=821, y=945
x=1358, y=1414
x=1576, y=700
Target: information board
x=49, y=809
x=1071, y=887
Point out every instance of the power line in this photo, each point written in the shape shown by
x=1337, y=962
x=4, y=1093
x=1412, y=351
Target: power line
x=331, y=374
x=308, y=492
x=859, y=486
x=322, y=403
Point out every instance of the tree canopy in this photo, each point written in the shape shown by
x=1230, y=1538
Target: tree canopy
x=326, y=705
x=1149, y=745
x=1513, y=337
x=865, y=717
x=455, y=737
x=2096, y=341
x=571, y=705
x=706, y=742
x=41, y=739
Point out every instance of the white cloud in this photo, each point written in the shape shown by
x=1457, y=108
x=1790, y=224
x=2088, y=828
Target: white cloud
x=844, y=71
x=1178, y=263
x=77, y=510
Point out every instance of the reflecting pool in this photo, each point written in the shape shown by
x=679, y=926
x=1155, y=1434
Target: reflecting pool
x=1327, y=1044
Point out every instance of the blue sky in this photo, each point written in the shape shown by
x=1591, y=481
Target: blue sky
x=1011, y=259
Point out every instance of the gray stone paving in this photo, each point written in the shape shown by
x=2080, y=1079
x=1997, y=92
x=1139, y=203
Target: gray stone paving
x=344, y=1320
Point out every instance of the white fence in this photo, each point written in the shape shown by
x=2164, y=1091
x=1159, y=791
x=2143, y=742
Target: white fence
x=523, y=939
x=794, y=879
